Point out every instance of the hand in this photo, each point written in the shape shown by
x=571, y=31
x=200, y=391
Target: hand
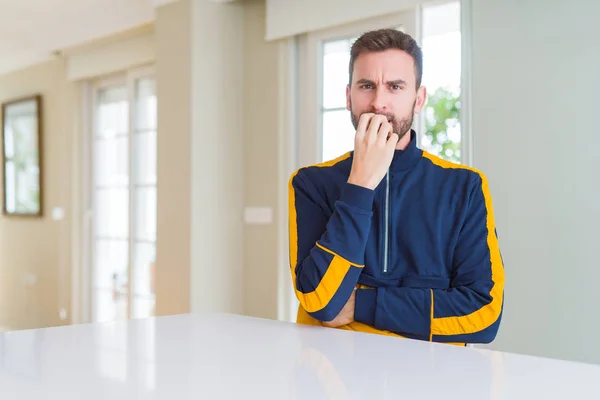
x=374, y=146
x=345, y=316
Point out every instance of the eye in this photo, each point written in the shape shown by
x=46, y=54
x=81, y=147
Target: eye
x=366, y=86
x=397, y=87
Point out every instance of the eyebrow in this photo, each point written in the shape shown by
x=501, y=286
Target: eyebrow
x=394, y=82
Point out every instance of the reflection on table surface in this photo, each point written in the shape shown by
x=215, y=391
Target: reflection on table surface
x=226, y=356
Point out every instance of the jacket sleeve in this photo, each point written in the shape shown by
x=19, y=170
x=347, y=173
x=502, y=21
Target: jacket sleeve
x=470, y=309
x=327, y=252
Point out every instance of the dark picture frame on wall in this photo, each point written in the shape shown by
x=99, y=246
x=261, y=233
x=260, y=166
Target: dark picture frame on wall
x=22, y=132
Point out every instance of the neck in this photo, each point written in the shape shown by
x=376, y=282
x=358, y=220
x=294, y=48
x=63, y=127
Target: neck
x=403, y=142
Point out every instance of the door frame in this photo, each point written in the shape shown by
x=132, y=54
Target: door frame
x=127, y=78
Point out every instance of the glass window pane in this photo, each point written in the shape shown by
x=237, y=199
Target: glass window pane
x=145, y=157
x=112, y=213
x=110, y=266
x=336, y=56
x=109, y=306
x=22, y=153
x=338, y=134
x=144, y=269
x=20, y=124
x=112, y=113
x=145, y=104
x=441, y=76
x=143, y=306
x=9, y=142
x=11, y=187
x=145, y=213
x=111, y=161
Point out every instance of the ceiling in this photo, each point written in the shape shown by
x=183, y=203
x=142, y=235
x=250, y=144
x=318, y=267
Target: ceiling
x=32, y=30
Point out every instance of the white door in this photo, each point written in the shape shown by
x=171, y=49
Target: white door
x=122, y=196
x=325, y=128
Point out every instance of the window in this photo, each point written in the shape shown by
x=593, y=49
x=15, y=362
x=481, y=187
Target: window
x=338, y=132
x=442, y=75
x=122, y=197
x=438, y=126
x=324, y=128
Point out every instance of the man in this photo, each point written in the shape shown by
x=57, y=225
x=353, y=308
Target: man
x=387, y=238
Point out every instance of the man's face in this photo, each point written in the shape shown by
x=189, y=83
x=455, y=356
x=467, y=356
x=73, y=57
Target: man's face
x=385, y=83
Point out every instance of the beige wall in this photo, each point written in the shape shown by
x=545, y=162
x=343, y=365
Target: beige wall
x=217, y=267
x=243, y=273
x=223, y=160
x=173, y=69
x=40, y=246
x=46, y=249
x=289, y=17
x=200, y=67
x=261, y=93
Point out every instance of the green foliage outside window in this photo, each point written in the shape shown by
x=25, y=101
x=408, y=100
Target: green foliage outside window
x=442, y=112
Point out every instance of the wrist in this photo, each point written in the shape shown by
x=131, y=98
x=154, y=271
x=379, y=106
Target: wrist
x=361, y=182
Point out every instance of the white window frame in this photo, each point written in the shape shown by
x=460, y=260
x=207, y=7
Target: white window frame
x=288, y=82
x=90, y=89
x=466, y=127
x=300, y=117
x=466, y=154
x=300, y=114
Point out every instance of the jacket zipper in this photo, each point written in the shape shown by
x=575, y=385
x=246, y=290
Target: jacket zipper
x=387, y=222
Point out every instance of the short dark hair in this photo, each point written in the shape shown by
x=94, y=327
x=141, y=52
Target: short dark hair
x=386, y=39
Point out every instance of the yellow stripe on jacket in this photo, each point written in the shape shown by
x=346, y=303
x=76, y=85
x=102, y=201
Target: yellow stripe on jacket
x=489, y=313
x=338, y=268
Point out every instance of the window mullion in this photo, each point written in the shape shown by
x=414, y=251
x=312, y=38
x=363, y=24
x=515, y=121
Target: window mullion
x=132, y=179
x=90, y=191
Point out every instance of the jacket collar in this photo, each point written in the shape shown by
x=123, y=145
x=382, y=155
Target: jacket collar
x=405, y=159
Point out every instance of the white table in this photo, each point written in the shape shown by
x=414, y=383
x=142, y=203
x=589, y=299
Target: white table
x=234, y=357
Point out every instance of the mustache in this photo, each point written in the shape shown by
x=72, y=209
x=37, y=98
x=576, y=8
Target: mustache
x=391, y=117
x=400, y=127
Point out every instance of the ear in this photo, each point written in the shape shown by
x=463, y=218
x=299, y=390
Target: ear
x=348, y=102
x=420, y=100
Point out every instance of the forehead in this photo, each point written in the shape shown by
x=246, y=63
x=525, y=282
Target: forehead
x=389, y=65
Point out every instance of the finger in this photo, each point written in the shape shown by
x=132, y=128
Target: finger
x=374, y=126
x=393, y=140
x=363, y=123
x=385, y=130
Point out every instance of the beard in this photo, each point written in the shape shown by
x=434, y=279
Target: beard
x=401, y=127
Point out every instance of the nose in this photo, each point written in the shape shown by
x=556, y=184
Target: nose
x=379, y=103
